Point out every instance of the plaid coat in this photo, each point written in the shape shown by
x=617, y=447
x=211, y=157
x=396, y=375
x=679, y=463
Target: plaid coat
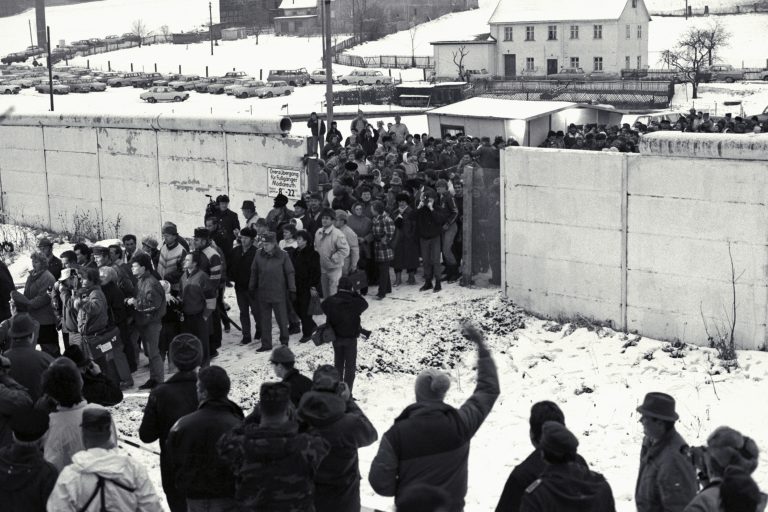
x=383, y=230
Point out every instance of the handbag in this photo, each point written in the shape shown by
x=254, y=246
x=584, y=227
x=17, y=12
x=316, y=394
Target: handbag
x=101, y=344
x=323, y=334
x=314, y=306
x=359, y=279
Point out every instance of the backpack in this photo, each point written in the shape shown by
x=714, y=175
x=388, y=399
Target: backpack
x=99, y=490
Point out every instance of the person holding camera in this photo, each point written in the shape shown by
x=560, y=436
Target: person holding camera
x=430, y=219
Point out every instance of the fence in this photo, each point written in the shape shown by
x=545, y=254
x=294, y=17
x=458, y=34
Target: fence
x=744, y=8
x=479, y=237
x=385, y=61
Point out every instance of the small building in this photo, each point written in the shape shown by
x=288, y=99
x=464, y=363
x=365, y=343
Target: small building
x=249, y=13
x=299, y=18
x=234, y=33
x=528, y=122
x=540, y=38
x=421, y=94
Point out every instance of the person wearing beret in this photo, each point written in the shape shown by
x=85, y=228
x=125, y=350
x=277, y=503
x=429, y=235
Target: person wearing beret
x=666, y=480
x=565, y=485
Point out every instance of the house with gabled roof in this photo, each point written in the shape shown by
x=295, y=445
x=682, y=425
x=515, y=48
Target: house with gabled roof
x=543, y=37
x=299, y=17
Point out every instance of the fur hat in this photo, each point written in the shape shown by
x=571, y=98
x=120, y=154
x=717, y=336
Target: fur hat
x=248, y=205
x=62, y=382
x=327, y=212
x=341, y=215
x=248, y=232
x=728, y=447
x=22, y=326
x=186, y=352
x=202, y=233
x=280, y=201
x=29, y=424
x=326, y=378
x=403, y=196
x=432, y=385
x=282, y=355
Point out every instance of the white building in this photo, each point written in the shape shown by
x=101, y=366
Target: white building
x=542, y=37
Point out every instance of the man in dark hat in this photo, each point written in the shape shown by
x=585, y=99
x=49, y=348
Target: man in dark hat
x=279, y=214
x=281, y=462
x=97, y=388
x=240, y=273
x=284, y=366
x=228, y=221
x=45, y=246
x=212, y=264
x=26, y=478
x=666, y=479
x=565, y=485
x=13, y=397
x=168, y=402
x=249, y=214
x=27, y=364
x=170, y=265
x=102, y=474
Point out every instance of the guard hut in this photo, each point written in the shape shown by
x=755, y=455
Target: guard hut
x=233, y=33
x=528, y=122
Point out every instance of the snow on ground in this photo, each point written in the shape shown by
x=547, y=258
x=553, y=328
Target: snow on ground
x=712, y=98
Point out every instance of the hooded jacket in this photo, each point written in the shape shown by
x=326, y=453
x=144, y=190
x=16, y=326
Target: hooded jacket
x=343, y=312
x=568, y=488
x=346, y=428
x=666, y=481
x=26, y=479
x=64, y=438
x=127, y=486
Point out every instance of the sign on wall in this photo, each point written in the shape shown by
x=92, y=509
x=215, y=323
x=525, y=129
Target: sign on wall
x=284, y=181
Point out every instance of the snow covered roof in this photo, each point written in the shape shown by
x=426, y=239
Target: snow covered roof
x=499, y=108
x=518, y=11
x=300, y=17
x=298, y=4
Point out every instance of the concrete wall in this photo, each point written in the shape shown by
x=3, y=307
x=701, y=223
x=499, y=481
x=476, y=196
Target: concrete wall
x=642, y=241
x=145, y=170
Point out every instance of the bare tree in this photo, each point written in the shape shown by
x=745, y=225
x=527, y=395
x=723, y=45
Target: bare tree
x=139, y=29
x=690, y=56
x=414, y=28
x=715, y=38
x=166, y=31
x=458, y=59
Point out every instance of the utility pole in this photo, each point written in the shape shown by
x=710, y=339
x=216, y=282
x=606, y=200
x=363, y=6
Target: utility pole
x=50, y=66
x=40, y=22
x=686, y=9
x=328, y=66
x=210, y=25
x=31, y=41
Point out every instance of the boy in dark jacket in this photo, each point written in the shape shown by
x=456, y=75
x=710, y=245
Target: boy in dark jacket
x=429, y=226
x=168, y=402
x=429, y=442
x=149, y=308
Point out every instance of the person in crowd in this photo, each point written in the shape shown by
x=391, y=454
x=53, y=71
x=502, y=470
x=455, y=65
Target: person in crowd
x=565, y=484
x=666, y=479
x=306, y=265
x=273, y=281
x=148, y=310
x=65, y=313
x=170, y=265
x=227, y=219
x=201, y=476
x=430, y=219
x=240, y=272
x=27, y=364
x=6, y=287
x=131, y=248
x=63, y=394
x=196, y=305
x=276, y=464
x=445, y=202
x=333, y=131
x=167, y=403
x=85, y=256
x=39, y=281
x=529, y=470
x=383, y=231
x=301, y=211
x=429, y=442
x=18, y=304
x=423, y=498
x=97, y=388
x=102, y=257
x=118, y=315
x=13, y=398
x=362, y=225
x=288, y=241
x=149, y=245
x=284, y=366
x=26, y=478
x=739, y=493
x=726, y=448
x=211, y=264
x=332, y=247
x=248, y=210
x=331, y=413
x=350, y=262
x=279, y=214
x=398, y=131
x=101, y=475
x=45, y=247
x=406, y=241
x=317, y=129
x=342, y=311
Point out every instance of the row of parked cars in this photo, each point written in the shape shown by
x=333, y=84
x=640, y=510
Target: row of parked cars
x=15, y=77
x=67, y=51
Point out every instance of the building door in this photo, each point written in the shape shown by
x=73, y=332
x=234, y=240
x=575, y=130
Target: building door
x=551, y=66
x=510, y=66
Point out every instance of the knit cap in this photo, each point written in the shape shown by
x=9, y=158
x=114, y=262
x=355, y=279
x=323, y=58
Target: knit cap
x=432, y=385
x=186, y=352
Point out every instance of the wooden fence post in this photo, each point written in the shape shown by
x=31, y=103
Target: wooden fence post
x=179, y=68
x=131, y=67
x=155, y=67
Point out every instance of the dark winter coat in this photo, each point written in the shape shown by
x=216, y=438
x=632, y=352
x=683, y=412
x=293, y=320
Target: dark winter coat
x=92, y=312
x=429, y=223
x=346, y=428
x=306, y=265
x=316, y=127
x=191, y=446
x=488, y=157
x=27, y=366
x=98, y=389
x=36, y=290
x=298, y=383
x=406, y=243
x=343, y=202
x=568, y=488
x=521, y=477
x=168, y=402
x=54, y=266
x=6, y=287
x=150, y=301
x=195, y=289
x=275, y=466
x=666, y=481
x=228, y=222
x=118, y=313
x=429, y=442
x=13, y=397
x=342, y=313
x=240, y=267
x=272, y=275
x=26, y=479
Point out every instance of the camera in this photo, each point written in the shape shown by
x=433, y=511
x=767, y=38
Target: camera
x=698, y=457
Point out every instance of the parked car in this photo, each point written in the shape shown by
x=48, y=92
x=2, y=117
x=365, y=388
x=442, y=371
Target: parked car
x=184, y=83
x=122, y=79
x=725, y=73
x=221, y=84
x=85, y=86
x=238, y=81
x=14, y=57
x=318, y=76
x=477, y=74
x=569, y=74
x=271, y=89
x=95, y=41
x=248, y=89
x=145, y=80
x=129, y=36
x=365, y=77
x=763, y=117
x=9, y=88
x=23, y=82
x=163, y=93
x=203, y=84
x=58, y=88
x=235, y=74
x=293, y=77
x=113, y=39
x=81, y=44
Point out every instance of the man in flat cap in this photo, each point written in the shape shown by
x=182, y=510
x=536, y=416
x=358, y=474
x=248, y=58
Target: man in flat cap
x=228, y=221
x=45, y=247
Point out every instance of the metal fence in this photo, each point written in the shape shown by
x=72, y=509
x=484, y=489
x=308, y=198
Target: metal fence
x=385, y=61
x=743, y=8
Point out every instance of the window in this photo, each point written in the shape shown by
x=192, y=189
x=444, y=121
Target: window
x=529, y=33
x=628, y=32
x=529, y=64
x=507, y=33
x=574, y=31
x=639, y=62
x=552, y=33
x=575, y=62
x=626, y=62
x=598, y=64
x=639, y=31
x=597, y=31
